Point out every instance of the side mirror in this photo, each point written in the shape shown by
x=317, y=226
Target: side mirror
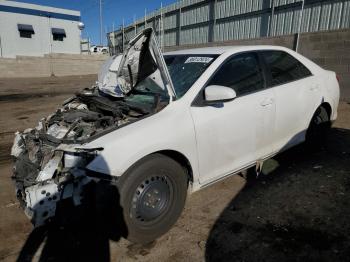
x=215, y=93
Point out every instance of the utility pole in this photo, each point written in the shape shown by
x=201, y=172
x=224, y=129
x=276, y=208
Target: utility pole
x=101, y=25
x=50, y=39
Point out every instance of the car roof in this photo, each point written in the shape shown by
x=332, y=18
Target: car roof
x=218, y=50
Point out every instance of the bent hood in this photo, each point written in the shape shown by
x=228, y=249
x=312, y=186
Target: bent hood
x=141, y=60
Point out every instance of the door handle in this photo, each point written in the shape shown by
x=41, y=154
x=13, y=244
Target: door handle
x=266, y=102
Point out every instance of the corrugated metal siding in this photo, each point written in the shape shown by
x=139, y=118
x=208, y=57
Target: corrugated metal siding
x=170, y=39
x=170, y=21
x=239, y=29
x=285, y=2
x=317, y=17
x=195, y=15
x=234, y=19
x=345, y=23
x=140, y=28
x=129, y=34
x=227, y=8
x=197, y=35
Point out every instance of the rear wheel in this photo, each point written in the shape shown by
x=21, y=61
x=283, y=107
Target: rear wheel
x=153, y=194
x=318, y=128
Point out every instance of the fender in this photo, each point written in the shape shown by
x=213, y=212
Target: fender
x=127, y=145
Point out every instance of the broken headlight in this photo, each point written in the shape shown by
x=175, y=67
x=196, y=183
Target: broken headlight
x=72, y=160
x=80, y=158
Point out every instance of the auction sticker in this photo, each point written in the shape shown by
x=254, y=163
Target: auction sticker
x=198, y=59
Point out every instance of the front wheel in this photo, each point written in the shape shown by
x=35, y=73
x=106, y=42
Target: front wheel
x=153, y=195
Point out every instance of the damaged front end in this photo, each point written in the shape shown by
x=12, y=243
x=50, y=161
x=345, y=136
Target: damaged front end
x=51, y=159
x=41, y=182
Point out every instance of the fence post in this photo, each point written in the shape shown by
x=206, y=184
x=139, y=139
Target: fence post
x=178, y=24
x=299, y=26
x=270, y=30
x=212, y=21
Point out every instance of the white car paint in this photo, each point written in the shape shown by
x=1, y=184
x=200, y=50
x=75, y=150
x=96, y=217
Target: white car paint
x=222, y=141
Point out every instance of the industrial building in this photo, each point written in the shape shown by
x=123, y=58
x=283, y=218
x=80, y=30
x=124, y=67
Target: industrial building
x=35, y=30
x=194, y=22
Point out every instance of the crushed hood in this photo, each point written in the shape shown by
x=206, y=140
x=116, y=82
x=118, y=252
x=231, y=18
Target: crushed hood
x=141, y=60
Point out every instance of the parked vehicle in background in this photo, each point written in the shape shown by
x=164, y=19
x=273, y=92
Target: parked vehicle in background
x=160, y=126
x=96, y=49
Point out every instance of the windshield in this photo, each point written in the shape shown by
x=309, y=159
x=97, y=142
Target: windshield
x=184, y=70
x=148, y=92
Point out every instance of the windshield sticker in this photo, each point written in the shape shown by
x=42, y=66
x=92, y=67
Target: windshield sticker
x=198, y=59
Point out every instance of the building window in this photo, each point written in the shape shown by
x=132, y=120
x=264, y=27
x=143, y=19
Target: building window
x=25, y=31
x=58, y=34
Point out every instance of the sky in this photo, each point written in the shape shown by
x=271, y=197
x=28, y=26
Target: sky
x=113, y=12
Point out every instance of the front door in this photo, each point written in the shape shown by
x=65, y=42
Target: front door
x=233, y=135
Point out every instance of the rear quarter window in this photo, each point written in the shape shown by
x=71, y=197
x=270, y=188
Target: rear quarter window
x=284, y=68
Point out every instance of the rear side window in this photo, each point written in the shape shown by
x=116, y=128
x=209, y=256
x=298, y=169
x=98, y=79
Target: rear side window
x=284, y=67
x=242, y=73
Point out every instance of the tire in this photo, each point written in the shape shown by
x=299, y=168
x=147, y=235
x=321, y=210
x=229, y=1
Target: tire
x=319, y=127
x=153, y=193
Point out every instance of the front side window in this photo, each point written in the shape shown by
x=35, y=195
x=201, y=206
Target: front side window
x=25, y=31
x=241, y=73
x=58, y=34
x=284, y=67
x=184, y=70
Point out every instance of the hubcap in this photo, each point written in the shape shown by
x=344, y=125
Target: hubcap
x=151, y=199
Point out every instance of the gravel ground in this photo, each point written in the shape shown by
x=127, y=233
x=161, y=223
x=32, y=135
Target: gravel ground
x=297, y=210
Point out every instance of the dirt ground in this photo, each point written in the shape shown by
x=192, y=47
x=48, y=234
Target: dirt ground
x=297, y=210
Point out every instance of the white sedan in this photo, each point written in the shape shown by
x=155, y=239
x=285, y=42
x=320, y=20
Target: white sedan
x=160, y=126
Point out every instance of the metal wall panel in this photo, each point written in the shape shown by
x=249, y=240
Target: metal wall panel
x=316, y=17
x=170, y=21
x=227, y=8
x=285, y=2
x=345, y=22
x=170, y=39
x=197, y=35
x=195, y=15
x=222, y=20
x=129, y=34
x=140, y=28
x=238, y=29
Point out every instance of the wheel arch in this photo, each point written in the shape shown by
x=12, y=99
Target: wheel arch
x=174, y=155
x=327, y=107
x=181, y=159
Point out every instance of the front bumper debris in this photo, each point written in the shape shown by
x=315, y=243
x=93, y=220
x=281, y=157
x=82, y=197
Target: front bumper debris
x=40, y=189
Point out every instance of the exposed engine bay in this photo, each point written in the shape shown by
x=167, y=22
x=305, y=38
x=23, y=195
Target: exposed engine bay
x=49, y=159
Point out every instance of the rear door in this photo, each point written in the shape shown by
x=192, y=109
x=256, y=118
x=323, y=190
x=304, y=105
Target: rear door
x=297, y=95
x=233, y=135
